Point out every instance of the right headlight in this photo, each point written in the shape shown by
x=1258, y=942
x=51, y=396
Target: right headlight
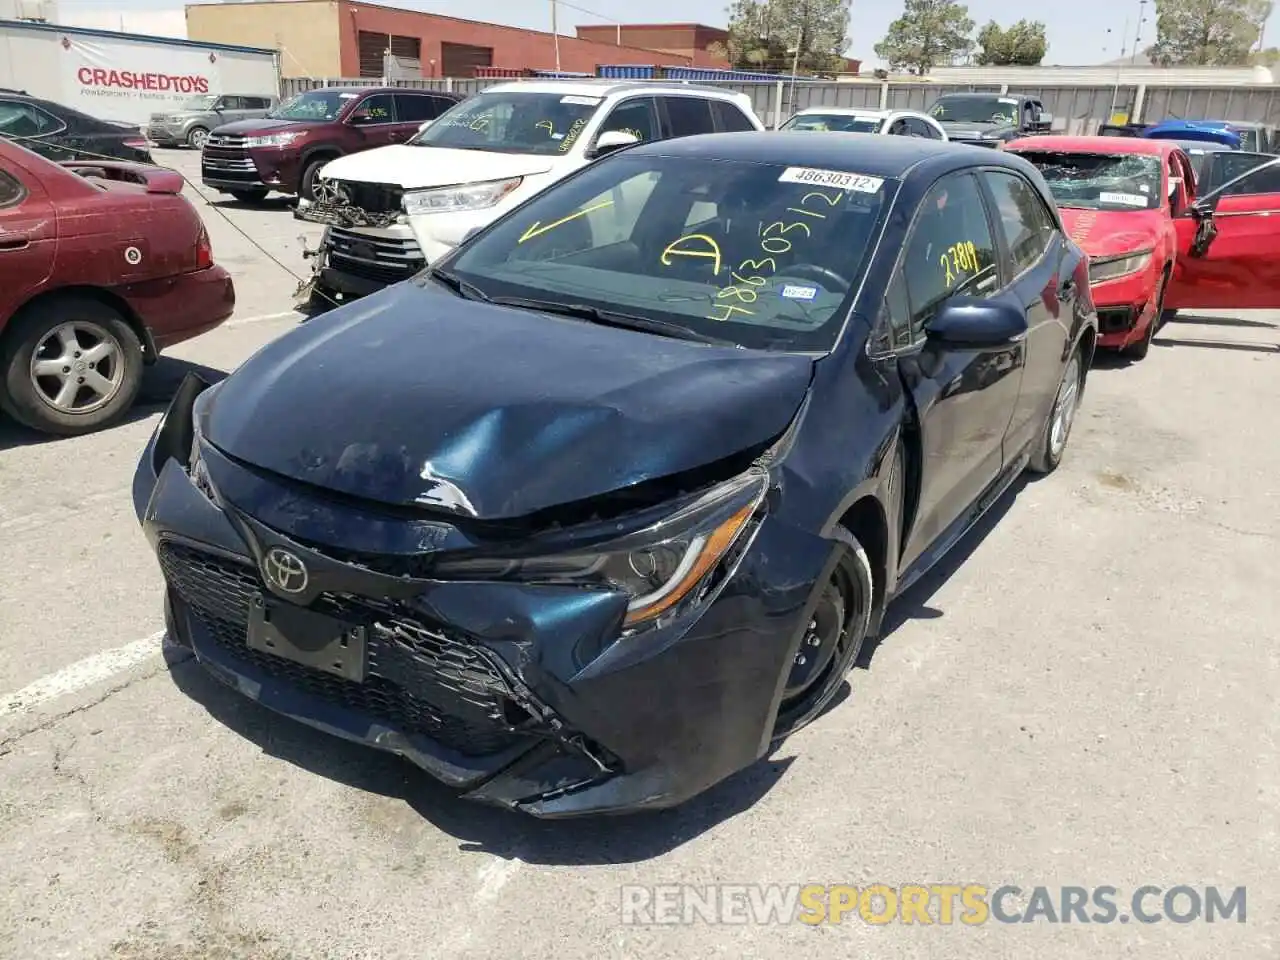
x=661, y=569
x=1112, y=268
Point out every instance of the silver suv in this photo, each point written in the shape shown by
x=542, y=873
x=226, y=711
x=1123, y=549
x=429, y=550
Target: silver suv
x=190, y=124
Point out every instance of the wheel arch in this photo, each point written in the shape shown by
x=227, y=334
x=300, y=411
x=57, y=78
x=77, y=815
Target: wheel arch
x=103, y=296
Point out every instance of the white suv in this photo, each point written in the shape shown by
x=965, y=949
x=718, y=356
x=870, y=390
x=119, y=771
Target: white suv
x=392, y=210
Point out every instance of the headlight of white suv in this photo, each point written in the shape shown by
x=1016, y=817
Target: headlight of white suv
x=467, y=196
x=272, y=140
x=1112, y=268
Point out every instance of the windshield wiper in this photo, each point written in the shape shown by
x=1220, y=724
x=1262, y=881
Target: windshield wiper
x=611, y=318
x=468, y=291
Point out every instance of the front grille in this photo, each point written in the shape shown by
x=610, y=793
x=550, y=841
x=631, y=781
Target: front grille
x=378, y=258
x=228, y=165
x=225, y=141
x=372, y=197
x=420, y=679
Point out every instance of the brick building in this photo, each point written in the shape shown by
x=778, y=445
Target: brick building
x=679, y=39
x=346, y=38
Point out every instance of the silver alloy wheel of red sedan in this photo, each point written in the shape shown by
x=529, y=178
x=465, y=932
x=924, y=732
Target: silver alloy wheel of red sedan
x=78, y=367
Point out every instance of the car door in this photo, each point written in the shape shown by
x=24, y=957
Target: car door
x=375, y=118
x=1038, y=276
x=1228, y=246
x=28, y=236
x=964, y=398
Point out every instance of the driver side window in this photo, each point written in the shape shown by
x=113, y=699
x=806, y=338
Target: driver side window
x=636, y=117
x=950, y=252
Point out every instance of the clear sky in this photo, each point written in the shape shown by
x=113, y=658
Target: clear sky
x=1077, y=29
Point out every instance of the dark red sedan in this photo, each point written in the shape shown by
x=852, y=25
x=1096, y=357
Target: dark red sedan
x=102, y=266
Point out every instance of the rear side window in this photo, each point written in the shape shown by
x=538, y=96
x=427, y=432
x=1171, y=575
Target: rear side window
x=689, y=116
x=918, y=128
x=441, y=104
x=951, y=251
x=10, y=190
x=1260, y=181
x=1028, y=226
x=25, y=120
x=415, y=109
x=729, y=119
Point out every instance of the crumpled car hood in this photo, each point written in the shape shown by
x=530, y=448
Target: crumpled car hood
x=1102, y=233
x=413, y=396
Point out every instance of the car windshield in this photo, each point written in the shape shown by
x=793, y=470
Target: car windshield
x=761, y=255
x=1099, y=181
x=975, y=110
x=200, y=104
x=313, y=105
x=833, y=121
x=512, y=122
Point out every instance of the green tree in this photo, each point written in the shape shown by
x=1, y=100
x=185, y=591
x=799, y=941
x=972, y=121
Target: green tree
x=1218, y=33
x=765, y=34
x=1022, y=45
x=929, y=32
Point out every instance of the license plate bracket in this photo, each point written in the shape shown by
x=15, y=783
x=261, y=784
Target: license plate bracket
x=302, y=636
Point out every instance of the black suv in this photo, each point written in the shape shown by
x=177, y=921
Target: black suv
x=60, y=133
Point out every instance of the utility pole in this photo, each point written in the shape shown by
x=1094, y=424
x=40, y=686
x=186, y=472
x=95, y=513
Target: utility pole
x=555, y=32
x=1137, y=36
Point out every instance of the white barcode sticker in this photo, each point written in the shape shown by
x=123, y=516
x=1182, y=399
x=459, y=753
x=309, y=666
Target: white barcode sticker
x=1124, y=199
x=840, y=179
x=580, y=101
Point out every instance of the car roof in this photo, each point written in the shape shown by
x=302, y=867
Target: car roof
x=993, y=94
x=606, y=88
x=866, y=153
x=850, y=111
x=1110, y=145
x=373, y=89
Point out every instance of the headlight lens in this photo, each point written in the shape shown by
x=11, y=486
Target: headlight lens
x=471, y=196
x=1110, y=268
x=659, y=568
x=272, y=140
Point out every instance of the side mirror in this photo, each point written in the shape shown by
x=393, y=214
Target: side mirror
x=969, y=322
x=1206, y=227
x=610, y=141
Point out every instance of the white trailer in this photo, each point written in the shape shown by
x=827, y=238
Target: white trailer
x=123, y=76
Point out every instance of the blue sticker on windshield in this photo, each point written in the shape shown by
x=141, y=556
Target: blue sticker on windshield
x=795, y=292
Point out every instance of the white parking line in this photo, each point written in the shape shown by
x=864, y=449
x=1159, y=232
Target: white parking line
x=244, y=321
x=84, y=673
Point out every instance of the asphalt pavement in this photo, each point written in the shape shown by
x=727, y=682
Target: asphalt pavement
x=1084, y=694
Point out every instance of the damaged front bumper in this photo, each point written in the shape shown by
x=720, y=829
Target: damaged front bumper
x=523, y=695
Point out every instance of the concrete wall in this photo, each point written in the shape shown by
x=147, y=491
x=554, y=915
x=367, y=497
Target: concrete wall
x=306, y=32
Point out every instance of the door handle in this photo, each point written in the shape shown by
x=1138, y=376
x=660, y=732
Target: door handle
x=13, y=241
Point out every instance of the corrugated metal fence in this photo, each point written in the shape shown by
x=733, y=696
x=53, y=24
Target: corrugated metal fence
x=1075, y=108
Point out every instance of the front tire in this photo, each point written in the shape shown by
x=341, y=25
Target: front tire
x=196, y=138
x=1057, y=427
x=837, y=630
x=69, y=366
x=310, y=173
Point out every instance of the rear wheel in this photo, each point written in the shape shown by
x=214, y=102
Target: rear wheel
x=249, y=196
x=1057, y=428
x=70, y=366
x=196, y=138
x=834, y=636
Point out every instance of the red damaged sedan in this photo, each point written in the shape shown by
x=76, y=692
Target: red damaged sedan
x=1118, y=198
x=102, y=266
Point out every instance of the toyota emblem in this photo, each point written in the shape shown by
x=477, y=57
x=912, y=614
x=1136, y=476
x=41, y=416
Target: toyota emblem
x=285, y=571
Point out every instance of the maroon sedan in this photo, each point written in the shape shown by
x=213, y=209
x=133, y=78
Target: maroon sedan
x=102, y=266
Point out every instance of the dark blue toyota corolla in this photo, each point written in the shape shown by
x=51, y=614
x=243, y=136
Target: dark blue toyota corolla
x=602, y=504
